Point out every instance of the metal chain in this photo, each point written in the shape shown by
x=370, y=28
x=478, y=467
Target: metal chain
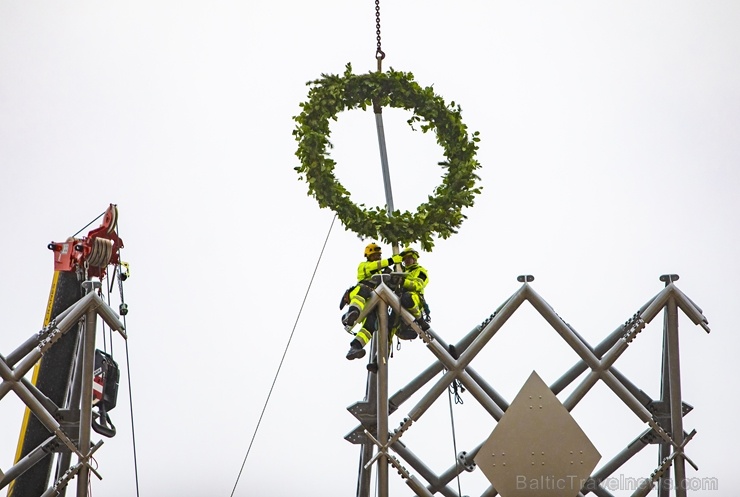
x=379, y=54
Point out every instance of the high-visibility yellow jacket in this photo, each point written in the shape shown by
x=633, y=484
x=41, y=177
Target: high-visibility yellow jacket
x=367, y=269
x=416, y=279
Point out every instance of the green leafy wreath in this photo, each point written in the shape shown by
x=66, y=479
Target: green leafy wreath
x=441, y=214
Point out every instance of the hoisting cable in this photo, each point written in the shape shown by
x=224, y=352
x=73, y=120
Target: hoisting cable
x=104, y=326
x=128, y=373
x=128, y=362
x=131, y=406
x=282, y=359
x=88, y=224
x=454, y=440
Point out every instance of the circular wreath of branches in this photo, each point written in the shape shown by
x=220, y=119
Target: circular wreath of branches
x=441, y=214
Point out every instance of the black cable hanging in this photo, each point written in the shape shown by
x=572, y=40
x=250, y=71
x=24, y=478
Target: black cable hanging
x=282, y=359
x=88, y=224
x=454, y=439
x=128, y=369
x=109, y=287
x=131, y=405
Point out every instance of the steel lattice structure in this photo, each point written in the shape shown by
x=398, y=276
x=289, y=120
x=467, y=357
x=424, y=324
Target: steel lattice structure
x=382, y=447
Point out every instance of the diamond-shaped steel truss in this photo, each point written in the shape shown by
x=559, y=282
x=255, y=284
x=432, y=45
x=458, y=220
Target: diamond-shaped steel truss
x=382, y=448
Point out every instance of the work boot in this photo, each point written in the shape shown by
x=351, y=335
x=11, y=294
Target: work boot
x=350, y=318
x=356, y=350
x=422, y=324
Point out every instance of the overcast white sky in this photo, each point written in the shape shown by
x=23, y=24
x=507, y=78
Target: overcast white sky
x=609, y=155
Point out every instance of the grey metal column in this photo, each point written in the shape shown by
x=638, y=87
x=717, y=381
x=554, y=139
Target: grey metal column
x=371, y=397
x=88, y=364
x=383, y=157
x=381, y=339
x=73, y=402
x=363, y=484
x=664, y=448
x=674, y=372
x=366, y=453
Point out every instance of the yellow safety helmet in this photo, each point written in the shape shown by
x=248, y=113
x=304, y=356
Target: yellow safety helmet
x=410, y=251
x=371, y=249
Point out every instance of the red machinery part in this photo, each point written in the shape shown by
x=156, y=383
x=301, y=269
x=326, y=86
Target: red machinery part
x=99, y=248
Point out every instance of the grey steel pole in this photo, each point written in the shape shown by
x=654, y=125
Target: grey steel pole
x=366, y=453
x=73, y=401
x=382, y=404
x=674, y=373
x=88, y=358
x=371, y=394
x=384, y=158
x=384, y=163
x=664, y=448
x=27, y=462
x=35, y=406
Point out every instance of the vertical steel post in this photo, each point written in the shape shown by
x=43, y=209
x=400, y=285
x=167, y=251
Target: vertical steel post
x=382, y=404
x=65, y=458
x=674, y=374
x=88, y=364
x=371, y=397
x=664, y=448
x=384, y=163
x=371, y=391
x=383, y=157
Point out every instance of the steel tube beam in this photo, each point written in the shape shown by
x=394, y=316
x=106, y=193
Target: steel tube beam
x=664, y=448
x=433, y=480
x=590, y=359
x=384, y=160
x=70, y=319
x=381, y=339
x=657, y=304
x=33, y=341
x=496, y=397
x=371, y=397
x=494, y=325
x=563, y=330
x=88, y=363
x=674, y=374
x=27, y=462
x=418, y=488
x=581, y=366
x=42, y=414
x=690, y=309
x=25, y=348
x=604, y=364
x=366, y=453
x=73, y=402
x=34, y=405
x=614, y=464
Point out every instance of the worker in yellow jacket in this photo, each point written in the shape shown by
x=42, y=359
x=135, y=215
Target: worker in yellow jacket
x=414, y=283
x=357, y=297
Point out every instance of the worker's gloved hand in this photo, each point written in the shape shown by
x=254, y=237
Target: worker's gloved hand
x=397, y=259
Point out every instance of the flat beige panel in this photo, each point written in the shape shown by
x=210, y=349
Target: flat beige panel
x=537, y=449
